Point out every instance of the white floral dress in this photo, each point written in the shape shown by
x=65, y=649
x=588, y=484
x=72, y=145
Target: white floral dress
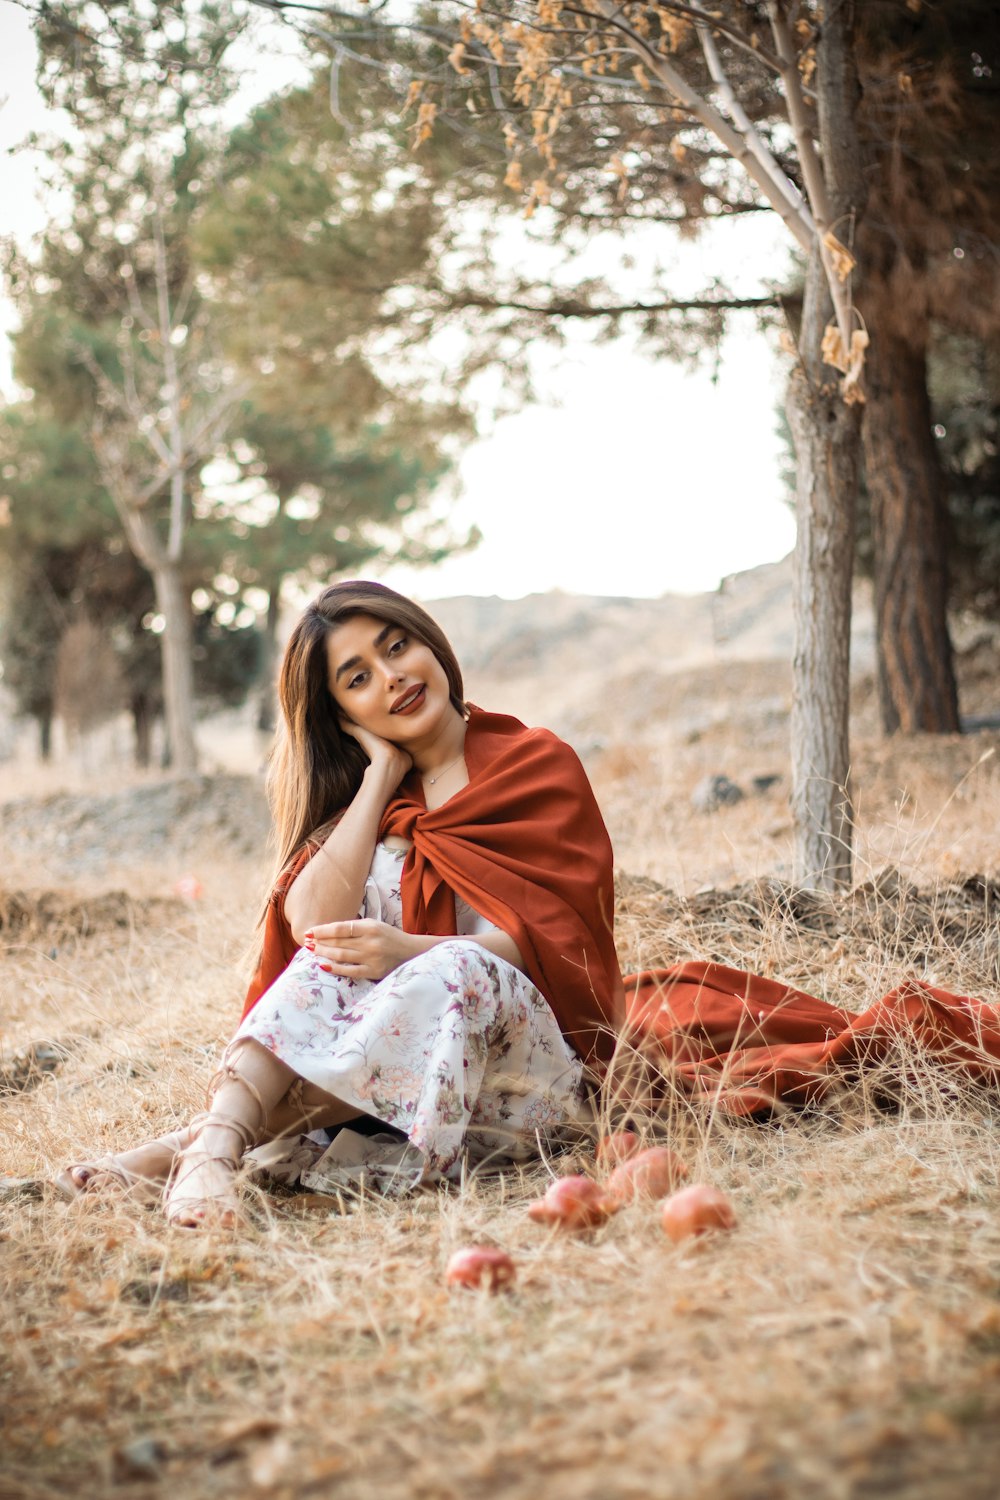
x=456, y=1049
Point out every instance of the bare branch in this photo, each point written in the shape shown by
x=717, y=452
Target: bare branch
x=812, y=169
x=742, y=120
x=574, y=307
x=769, y=182
x=178, y=460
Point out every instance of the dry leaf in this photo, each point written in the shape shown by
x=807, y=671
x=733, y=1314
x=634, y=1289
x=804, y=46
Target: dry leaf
x=832, y=348
x=455, y=57
x=674, y=28
x=843, y=260
x=424, y=128
x=322, y=1468
x=849, y=361
x=234, y=1435
x=308, y=1203
x=678, y=150
x=126, y=1336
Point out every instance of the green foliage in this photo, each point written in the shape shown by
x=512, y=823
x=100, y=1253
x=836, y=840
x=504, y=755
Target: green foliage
x=31, y=625
x=227, y=660
x=281, y=263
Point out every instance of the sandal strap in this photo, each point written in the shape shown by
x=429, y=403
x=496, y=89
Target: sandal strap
x=247, y=1135
x=226, y=1072
x=229, y=1073
x=176, y=1205
x=137, y=1184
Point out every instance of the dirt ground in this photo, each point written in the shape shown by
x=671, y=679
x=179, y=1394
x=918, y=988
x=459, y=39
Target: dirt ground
x=843, y=1341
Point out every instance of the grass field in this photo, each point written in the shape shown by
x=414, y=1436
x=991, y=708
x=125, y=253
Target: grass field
x=844, y=1341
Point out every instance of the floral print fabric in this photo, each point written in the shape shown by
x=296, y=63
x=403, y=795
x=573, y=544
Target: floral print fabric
x=455, y=1048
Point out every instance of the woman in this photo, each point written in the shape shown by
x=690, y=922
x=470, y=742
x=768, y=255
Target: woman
x=437, y=953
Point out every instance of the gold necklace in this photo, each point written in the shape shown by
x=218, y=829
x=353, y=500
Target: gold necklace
x=430, y=780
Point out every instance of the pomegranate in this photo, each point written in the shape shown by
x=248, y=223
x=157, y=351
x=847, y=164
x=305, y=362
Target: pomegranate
x=572, y=1203
x=652, y=1173
x=617, y=1147
x=695, y=1210
x=478, y=1265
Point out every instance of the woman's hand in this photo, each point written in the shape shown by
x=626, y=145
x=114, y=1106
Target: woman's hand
x=383, y=754
x=334, y=886
x=362, y=949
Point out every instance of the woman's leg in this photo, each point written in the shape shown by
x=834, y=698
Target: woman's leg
x=249, y=1105
x=305, y=1107
x=142, y=1169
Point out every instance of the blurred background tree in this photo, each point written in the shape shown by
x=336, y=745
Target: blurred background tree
x=145, y=348
x=606, y=151
x=273, y=234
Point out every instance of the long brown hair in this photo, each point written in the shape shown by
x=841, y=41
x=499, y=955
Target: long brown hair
x=316, y=768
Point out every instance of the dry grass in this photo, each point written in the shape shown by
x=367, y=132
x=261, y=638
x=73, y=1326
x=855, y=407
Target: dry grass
x=843, y=1342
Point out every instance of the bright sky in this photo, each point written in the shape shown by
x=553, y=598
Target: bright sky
x=635, y=477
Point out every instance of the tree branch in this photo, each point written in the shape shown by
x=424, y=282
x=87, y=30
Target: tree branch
x=767, y=180
x=572, y=307
x=742, y=120
x=812, y=169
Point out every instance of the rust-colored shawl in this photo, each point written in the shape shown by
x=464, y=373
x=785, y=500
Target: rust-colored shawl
x=525, y=845
x=742, y=1043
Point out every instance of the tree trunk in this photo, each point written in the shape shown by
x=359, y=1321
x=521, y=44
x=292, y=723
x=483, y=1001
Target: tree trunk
x=44, y=718
x=267, y=707
x=916, y=676
x=142, y=723
x=178, y=677
x=176, y=642
x=827, y=435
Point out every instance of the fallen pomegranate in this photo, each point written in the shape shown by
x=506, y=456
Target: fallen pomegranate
x=571, y=1203
x=652, y=1173
x=478, y=1265
x=696, y=1210
x=617, y=1147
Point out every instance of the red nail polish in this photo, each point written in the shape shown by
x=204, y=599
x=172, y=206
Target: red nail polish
x=309, y=933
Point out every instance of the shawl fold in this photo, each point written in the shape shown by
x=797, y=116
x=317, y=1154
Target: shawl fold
x=743, y=1043
x=525, y=845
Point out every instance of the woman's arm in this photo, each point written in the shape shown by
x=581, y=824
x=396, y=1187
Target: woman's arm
x=331, y=886
x=366, y=949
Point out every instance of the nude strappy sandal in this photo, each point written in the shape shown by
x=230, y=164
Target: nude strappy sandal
x=124, y=1183
x=218, y=1210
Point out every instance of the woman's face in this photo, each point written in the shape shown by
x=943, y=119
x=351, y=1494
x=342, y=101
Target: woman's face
x=386, y=680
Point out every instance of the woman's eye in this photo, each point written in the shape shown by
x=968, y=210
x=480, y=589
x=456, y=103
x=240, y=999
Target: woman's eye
x=356, y=681
x=397, y=646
